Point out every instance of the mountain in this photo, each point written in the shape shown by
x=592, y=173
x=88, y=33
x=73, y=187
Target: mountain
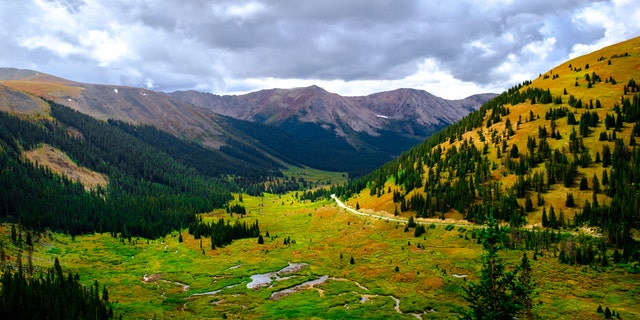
x=301, y=127
x=557, y=152
x=403, y=116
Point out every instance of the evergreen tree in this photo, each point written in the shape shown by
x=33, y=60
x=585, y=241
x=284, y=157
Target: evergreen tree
x=553, y=220
x=260, y=240
x=528, y=204
x=570, y=202
x=411, y=223
x=498, y=294
x=525, y=288
x=14, y=234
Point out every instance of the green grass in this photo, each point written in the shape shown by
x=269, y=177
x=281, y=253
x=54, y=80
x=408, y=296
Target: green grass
x=322, y=233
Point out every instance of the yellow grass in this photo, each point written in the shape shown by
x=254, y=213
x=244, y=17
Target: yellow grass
x=622, y=69
x=60, y=163
x=43, y=89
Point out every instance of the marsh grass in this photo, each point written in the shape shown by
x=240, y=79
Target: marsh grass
x=322, y=233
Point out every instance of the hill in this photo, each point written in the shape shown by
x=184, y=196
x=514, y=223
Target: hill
x=557, y=152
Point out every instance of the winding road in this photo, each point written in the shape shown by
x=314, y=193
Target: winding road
x=418, y=221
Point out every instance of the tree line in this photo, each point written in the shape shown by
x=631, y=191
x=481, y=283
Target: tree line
x=51, y=296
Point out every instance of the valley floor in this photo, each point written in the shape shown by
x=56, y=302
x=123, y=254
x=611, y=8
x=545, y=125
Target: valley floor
x=337, y=265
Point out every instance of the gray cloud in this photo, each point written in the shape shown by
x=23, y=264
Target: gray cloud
x=208, y=45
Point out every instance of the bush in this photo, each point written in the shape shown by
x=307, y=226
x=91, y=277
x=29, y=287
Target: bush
x=449, y=227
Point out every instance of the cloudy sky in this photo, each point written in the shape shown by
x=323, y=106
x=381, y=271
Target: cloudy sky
x=450, y=48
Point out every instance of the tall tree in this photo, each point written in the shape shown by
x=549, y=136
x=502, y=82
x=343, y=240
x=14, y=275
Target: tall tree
x=525, y=288
x=497, y=295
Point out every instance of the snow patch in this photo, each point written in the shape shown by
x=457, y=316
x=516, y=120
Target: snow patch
x=381, y=116
x=115, y=90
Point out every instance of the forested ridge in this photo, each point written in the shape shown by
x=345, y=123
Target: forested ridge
x=487, y=163
x=156, y=184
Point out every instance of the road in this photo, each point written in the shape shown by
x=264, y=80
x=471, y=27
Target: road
x=418, y=221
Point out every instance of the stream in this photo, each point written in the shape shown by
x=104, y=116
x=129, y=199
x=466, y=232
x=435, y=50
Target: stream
x=265, y=279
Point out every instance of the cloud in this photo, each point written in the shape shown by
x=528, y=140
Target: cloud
x=453, y=49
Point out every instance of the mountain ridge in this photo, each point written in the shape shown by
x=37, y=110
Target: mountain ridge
x=366, y=114
x=309, y=116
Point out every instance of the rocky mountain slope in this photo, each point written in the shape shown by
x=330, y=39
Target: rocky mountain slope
x=297, y=126
x=407, y=113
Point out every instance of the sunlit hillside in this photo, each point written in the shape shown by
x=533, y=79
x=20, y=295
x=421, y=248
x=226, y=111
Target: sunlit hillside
x=558, y=151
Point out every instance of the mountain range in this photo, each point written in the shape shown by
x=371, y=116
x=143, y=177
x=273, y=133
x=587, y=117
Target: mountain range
x=300, y=126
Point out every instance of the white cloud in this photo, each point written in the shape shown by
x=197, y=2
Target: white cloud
x=50, y=43
x=453, y=49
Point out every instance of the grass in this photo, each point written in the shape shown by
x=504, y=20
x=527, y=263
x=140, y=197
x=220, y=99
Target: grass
x=61, y=164
x=326, y=238
x=315, y=176
x=322, y=233
x=622, y=69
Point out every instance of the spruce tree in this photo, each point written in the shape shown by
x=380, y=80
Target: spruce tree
x=525, y=288
x=498, y=294
x=528, y=204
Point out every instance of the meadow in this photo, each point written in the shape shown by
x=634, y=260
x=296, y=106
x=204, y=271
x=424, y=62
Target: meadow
x=394, y=275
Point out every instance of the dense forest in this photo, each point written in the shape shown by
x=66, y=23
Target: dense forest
x=207, y=162
x=326, y=152
x=223, y=233
x=51, y=296
x=155, y=183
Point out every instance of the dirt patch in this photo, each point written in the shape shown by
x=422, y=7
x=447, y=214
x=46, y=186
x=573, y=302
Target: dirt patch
x=152, y=277
x=61, y=164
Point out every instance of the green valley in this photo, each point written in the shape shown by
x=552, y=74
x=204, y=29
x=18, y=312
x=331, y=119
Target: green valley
x=188, y=232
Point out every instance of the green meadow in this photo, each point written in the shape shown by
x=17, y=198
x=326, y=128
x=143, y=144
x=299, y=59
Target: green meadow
x=394, y=275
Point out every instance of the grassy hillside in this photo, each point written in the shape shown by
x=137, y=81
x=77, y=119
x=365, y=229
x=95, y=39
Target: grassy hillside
x=485, y=139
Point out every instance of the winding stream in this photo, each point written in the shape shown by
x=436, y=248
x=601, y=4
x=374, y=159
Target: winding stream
x=264, y=279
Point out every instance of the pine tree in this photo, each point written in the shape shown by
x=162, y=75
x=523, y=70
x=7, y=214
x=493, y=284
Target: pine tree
x=528, y=204
x=570, y=202
x=525, y=288
x=14, y=235
x=260, y=240
x=553, y=220
x=498, y=294
x=411, y=223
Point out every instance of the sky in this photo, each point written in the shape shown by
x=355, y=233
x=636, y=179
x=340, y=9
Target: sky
x=452, y=48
